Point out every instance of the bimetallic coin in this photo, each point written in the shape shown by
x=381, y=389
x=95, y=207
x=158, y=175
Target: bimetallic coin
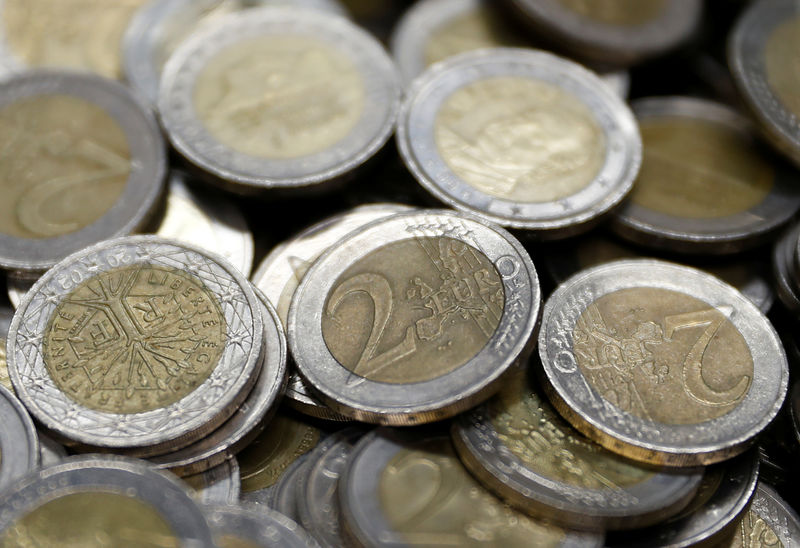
x=137, y=343
x=279, y=97
x=6, y=314
x=19, y=446
x=660, y=362
x=101, y=501
x=521, y=138
x=415, y=317
x=521, y=450
x=82, y=161
x=406, y=489
x=770, y=522
x=250, y=527
x=220, y=484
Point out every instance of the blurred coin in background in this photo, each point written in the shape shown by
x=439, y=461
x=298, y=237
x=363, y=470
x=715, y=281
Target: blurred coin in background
x=219, y=484
x=19, y=446
x=244, y=526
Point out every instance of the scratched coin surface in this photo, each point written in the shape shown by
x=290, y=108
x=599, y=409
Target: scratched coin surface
x=279, y=97
x=402, y=488
x=19, y=445
x=245, y=526
x=660, y=362
x=137, y=343
x=82, y=160
x=518, y=446
x=415, y=317
x=220, y=484
x=97, y=501
x=705, y=186
x=522, y=138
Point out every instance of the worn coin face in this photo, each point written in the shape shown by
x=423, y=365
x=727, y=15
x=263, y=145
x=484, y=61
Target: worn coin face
x=138, y=343
x=660, y=362
x=6, y=314
x=253, y=527
x=83, y=160
x=217, y=485
x=19, y=446
x=414, y=318
x=705, y=185
x=276, y=97
x=403, y=488
x=552, y=150
x=770, y=521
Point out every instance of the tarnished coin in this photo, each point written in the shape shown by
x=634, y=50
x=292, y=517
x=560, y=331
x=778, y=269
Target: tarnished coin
x=705, y=185
x=137, y=343
x=660, y=362
x=770, y=522
x=220, y=484
x=82, y=161
x=762, y=54
x=279, y=97
x=787, y=281
x=94, y=501
x=521, y=450
x=414, y=318
x=19, y=446
x=251, y=527
x=521, y=138
x=6, y=314
x=409, y=489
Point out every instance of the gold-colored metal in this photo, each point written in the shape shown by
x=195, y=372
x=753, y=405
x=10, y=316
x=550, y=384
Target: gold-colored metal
x=699, y=170
x=663, y=355
x=754, y=532
x=520, y=139
x=64, y=163
x=413, y=310
x=5, y=380
x=230, y=541
x=782, y=63
x=616, y=12
x=134, y=339
x=280, y=97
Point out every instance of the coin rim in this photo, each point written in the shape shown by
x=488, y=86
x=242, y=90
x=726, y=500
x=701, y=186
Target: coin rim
x=19, y=444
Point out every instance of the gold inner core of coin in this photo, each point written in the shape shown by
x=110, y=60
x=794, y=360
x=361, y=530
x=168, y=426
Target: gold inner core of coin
x=92, y=520
x=520, y=139
x=134, y=339
x=79, y=34
x=264, y=461
x=429, y=499
x=782, y=63
x=754, y=532
x=662, y=355
x=5, y=380
x=232, y=541
x=699, y=170
x=413, y=310
x=548, y=446
x=616, y=12
x=280, y=97
x=64, y=163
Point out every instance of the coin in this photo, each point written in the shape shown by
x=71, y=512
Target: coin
x=251, y=527
x=761, y=54
x=278, y=97
x=403, y=488
x=281, y=271
x=794, y=410
x=284, y=495
x=220, y=484
x=705, y=186
x=518, y=447
x=769, y=522
x=50, y=451
x=86, y=501
x=136, y=343
x=414, y=318
x=83, y=160
x=5, y=322
x=552, y=150
x=19, y=446
x=787, y=284
x=660, y=362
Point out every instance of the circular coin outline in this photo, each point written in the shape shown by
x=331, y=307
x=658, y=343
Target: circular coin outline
x=260, y=525
x=19, y=444
x=220, y=484
x=777, y=513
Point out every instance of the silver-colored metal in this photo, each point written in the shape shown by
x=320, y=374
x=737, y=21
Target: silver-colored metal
x=729, y=234
x=159, y=430
x=190, y=137
x=114, y=475
x=447, y=394
x=794, y=409
x=147, y=169
x=256, y=526
x=787, y=284
x=647, y=440
x=570, y=215
x=19, y=445
x=777, y=515
x=218, y=485
x=283, y=496
x=50, y=452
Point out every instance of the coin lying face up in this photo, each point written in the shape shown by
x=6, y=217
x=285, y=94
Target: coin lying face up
x=279, y=97
x=662, y=363
x=414, y=318
x=521, y=138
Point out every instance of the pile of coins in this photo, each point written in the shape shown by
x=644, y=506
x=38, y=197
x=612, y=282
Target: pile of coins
x=545, y=315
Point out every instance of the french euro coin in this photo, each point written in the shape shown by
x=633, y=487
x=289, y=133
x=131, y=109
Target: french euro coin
x=6, y=314
x=220, y=484
x=121, y=501
x=279, y=97
x=521, y=138
x=246, y=526
x=661, y=363
x=787, y=281
x=406, y=489
x=762, y=52
x=771, y=521
x=19, y=445
x=415, y=318
x=82, y=161
x=139, y=343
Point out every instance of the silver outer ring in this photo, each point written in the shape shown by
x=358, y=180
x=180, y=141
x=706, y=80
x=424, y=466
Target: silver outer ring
x=282, y=496
x=189, y=136
x=19, y=445
x=258, y=525
x=438, y=398
x=159, y=430
x=779, y=515
x=561, y=218
x=143, y=187
x=221, y=484
x=111, y=474
x=716, y=236
x=622, y=432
